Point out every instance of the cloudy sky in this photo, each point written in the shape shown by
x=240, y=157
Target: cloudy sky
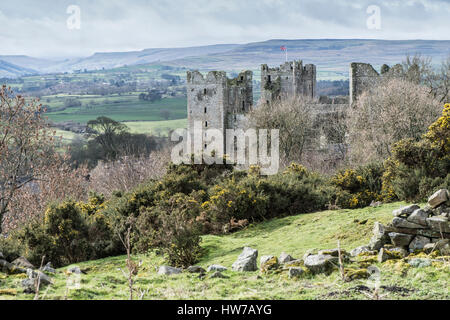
x=41, y=28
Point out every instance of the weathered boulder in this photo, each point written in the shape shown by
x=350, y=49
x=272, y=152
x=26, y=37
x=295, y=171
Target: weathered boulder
x=195, y=269
x=438, y=198
x=295, y=272
x=443, y=246
x=10, y=268
x=320, y=263
x=386, y=254
x=360, y=250
x=333, y=252
x=166, y=270
x=418, y=243
x=403, y=223
x=23, y=263
x=43, y=278
x=218, y=275
x=405, y=211
x=284, y=257
x=400, y=239
x=268, y=263
x=216, y=267
x=439, y=223
x=294, y=263
x=310, y=252
x=246, y=260
x=74, y=270
x=419, y=217
x=399, y=252
x=379, y=238
x=48, y=268
x=419, y=262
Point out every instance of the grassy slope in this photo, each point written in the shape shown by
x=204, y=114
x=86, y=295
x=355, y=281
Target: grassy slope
x=294, y=235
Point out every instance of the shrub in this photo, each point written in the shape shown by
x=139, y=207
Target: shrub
x=417, y=168
x=358, y=187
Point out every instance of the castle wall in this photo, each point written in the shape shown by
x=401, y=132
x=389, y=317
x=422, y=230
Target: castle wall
x=289, y=80
x=362, y=76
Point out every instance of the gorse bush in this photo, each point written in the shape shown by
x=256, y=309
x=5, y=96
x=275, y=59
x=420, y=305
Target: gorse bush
x=356, y=188
x=417, y=168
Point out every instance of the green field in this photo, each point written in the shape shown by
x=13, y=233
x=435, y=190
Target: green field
x=294, y=235
x=120, y=108
x=158, y=128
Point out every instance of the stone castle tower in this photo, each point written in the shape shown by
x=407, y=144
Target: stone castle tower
x=289, y=80
x=216, y=100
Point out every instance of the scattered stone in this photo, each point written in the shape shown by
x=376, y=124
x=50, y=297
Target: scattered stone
x=23, y=263
x=268, y=263
x=196, y=269
x=48, y=268
x=333, y=252
x=309, y=252
x=375, y=204
x=400, y=239
x=320, y=263
x=379, y=238
x=438, y=198
x=419, y=263
x=33, y=275
x=246, y=260
x=403, y=223
x=442, y=210
x=294, y=263
x=428, y=248
x=29, y=286
x=418, y=243
x=357, y=251
x=356, y=274
x=10, y=268
x=439, y=224
x=166, y=270
x=399, y=252
x=218, y=275
x=405, y=211
x=383, y=255
x=295, y=272
x=216, y=267
x=443, y=246
x=419, y=216
x=75, y=270
x=284, y=257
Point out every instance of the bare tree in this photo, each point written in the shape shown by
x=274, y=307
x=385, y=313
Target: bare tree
x=294, y=118
x=26, y=145
x=393, y=110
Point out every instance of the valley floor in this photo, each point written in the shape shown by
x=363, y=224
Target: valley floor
x=294, y=235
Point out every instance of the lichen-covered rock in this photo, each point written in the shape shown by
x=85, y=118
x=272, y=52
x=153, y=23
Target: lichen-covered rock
x=294, y=263
x=295, y=272
x=419, y=262
x=195, y=269
x=352, y=274
x=400, y=239
x=439, y=223
x=74, y=270
x=309, y=252
x=268, y=263
x=284, y=257
x=438, y=198
x=218, y=275
x=418, y=243
x=216, y=267
x=246, y=260
x=386, y=254
x=419, y=216
x=166, y=270
x=443, y=246
x=333, y=252
x=405, y=211
x=379, y=238
x=360, y=250
x=23, y=263
x=403, y=223
x=48, y=268
x=320, y=263
x=399, y=252
x=10, y=268
x=43, y=278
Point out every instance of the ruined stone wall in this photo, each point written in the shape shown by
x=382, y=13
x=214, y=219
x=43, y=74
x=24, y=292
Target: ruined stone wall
x=289, y=80
x=362, y=76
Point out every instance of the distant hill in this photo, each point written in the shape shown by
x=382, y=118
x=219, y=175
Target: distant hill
x=9, y=70
x=332, y=56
